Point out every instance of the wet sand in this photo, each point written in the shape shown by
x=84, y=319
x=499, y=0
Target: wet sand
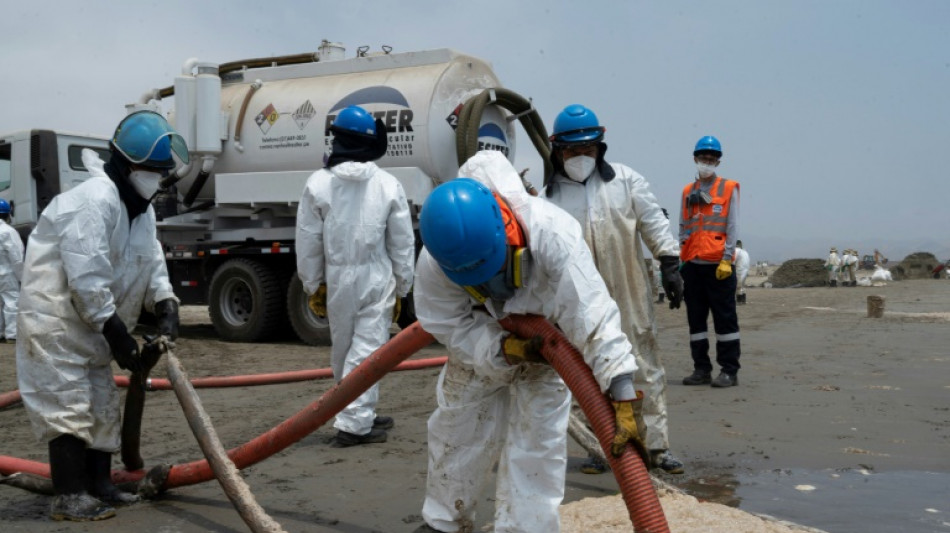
x=824, y=390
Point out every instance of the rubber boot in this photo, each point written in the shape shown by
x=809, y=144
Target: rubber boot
x=67, y=465
x=99, y=479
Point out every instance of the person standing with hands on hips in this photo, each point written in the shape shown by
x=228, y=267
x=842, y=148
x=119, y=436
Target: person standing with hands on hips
x=709, y=227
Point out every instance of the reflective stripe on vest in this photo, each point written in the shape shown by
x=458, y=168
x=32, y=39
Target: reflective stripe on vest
x=705, y=225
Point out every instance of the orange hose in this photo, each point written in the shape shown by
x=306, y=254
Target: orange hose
x=643, y=505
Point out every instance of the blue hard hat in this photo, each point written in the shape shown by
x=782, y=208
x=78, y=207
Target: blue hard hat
x=355, y=119
x=708, y=144
x=462, y=227
x=4, y=207
x=576, y=124
x=145, y=138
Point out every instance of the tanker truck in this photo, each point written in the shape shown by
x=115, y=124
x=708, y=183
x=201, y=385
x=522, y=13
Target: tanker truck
x=257, y=129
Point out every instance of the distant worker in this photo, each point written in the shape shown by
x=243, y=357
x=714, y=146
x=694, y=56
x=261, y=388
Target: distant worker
x=619, y=216
x=742, y=271
x=709, y=227
x=92, y=263
x=355, y=252
x=11, y=269
x=492, y=250
x=833, y=264
x=879, y=258
x=848, y=262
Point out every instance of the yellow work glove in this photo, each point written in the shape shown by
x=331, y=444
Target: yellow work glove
x=397, y=308
x=318, y=301
x=626, y=431
x=517, y=350
x=724, y=270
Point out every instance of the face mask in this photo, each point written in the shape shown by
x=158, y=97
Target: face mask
x=580, y=167
x=145, y=182
x=705, y=170
x=498, y=288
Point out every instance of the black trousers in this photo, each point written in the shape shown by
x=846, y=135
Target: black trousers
x=703, y=293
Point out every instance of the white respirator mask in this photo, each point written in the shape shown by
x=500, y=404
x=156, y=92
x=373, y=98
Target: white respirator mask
x=145, y=182
x=705, y=170
x=580, y=167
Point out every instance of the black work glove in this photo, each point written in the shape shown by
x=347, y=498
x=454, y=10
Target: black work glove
x=166, y=311
x=125, y=350
x=152, y=351
x=672, y=280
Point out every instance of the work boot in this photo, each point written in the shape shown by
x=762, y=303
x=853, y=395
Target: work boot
x=383, y=422
x=698, y=377
x=79, y=507
x=665, y=461
x=67, y=465
x=344, y=439
x=99, y=479
x=593, y=465
x=725, y=380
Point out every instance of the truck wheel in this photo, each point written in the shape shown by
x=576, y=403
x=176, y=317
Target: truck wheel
x=246, y=301
x=309, y=327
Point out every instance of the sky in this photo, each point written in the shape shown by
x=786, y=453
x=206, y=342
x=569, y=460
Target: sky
x=834, y=116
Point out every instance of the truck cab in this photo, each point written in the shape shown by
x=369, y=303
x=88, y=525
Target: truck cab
x=36, y=165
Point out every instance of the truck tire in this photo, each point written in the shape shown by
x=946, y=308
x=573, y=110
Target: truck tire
x=245, y=301
x=311, y=329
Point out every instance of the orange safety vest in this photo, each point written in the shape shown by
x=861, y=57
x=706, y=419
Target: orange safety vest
x=513, y=233
x=705, y=225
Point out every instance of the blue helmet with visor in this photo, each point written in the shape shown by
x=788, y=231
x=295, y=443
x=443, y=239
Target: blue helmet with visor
x=576, y=124
x=145, y=138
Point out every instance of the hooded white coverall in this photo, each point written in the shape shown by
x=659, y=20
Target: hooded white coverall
x=741, y=264
x=833, y=264
x=84, y=262
x=354, y=233
x=11, y=269
x=617, y=217
x=486, y=407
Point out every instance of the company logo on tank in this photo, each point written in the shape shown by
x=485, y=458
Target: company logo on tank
x=386, y=104
x=492, y=137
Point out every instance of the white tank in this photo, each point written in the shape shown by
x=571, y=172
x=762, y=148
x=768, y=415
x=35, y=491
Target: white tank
x=417, y=95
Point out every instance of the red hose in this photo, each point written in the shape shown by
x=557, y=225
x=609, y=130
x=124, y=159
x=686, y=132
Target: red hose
x=643, y=505
x=9, y=398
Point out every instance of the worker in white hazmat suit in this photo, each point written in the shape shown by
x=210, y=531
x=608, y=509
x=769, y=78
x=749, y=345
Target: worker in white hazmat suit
x=355, y=252
x=619, y=214
x=92, y=263
x=11, y=268
x=486, y=256
x=741, y=265
x=833, y=264
x=848, y=266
